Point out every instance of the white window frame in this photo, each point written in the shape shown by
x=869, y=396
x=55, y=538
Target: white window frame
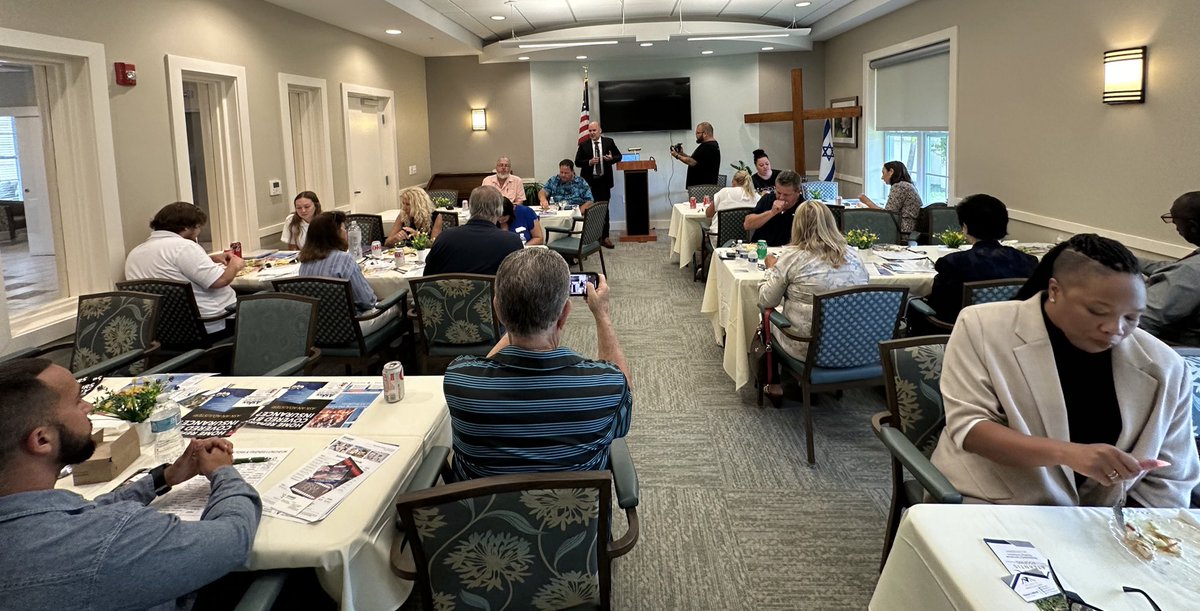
x=872, y=140
x=82, y=180
x=321, y=157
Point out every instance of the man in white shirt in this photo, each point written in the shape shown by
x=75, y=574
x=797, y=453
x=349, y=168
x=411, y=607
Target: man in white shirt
x=509, y=184
x=171, y=253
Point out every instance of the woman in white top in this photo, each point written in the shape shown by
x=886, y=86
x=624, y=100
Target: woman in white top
x=416, y=216
x=740, y=195
x=295, y=226
x=816, y=260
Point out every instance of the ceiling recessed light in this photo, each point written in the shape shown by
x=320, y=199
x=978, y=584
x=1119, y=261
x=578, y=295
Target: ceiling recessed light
x=393, y=32
x=497, y=17
x=803, y=4
x=580, y=57
x=523, y=57
x=647, y=44
x=768, y=48
x=706, y=52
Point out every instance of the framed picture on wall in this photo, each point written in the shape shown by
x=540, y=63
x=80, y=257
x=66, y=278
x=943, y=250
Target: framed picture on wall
x=845, y=129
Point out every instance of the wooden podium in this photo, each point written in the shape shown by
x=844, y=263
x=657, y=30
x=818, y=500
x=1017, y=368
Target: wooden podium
x=637, y=200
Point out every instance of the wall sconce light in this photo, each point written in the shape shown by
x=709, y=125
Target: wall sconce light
x=1125, y=76
x=479, y=119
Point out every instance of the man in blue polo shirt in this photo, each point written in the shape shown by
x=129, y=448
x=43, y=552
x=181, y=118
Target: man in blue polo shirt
x=532, y=405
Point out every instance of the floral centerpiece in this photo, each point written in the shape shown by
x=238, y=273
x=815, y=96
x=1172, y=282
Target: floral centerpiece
x=133, y=404
x=443, y=202
x=951, y=238
x=420, y=242
x=861, y=238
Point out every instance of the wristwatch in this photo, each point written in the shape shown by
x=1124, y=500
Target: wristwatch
x=158, y=475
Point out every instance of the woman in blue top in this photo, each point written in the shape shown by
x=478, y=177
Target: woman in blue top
x=517, y=216
x=324, y=254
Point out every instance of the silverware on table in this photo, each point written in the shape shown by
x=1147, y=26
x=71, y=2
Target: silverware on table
x=1119, y=507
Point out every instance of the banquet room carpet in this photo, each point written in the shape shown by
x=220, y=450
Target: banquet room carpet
x=732, y=516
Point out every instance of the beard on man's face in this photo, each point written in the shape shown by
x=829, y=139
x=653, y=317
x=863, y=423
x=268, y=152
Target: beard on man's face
x=73, y=449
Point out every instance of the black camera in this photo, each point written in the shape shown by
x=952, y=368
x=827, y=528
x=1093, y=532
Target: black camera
x=677, y=147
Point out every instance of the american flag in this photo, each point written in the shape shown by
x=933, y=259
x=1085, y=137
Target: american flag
x=584, y=119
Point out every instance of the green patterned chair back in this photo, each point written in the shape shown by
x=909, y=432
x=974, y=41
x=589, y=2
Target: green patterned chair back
x=455, y=312
x=449, y=218
x=179, y=326
x=848, y=325
x=730, y=225
x=370, y=226
x=838, y=214
x=336, y=326
x=912, y=373
x=535, y=541
x=593, y=224
x=941, y=218
x=990, y=291
x=112, y=324
x=449, y=194
x=825, y=190
x=1191, y=356
x=272, y=329
x=881, y=222
x=700, y=191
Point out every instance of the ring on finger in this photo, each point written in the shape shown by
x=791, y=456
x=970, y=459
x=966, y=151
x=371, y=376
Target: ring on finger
x=1114, y=475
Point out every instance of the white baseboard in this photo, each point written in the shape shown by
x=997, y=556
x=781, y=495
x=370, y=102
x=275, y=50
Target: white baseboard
x=1071, y=228
x=270, y=230
x=848, y=178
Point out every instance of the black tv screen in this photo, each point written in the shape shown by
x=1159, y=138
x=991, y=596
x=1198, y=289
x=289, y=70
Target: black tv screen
x=646, y=105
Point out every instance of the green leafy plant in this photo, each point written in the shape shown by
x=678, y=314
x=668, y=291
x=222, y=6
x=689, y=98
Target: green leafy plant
x=531, y=191
x=814, y=194
x=443, y=202
x=861, y=238
x=740, y=166
x=951, y=238
x=133, y=404
x=420, y=241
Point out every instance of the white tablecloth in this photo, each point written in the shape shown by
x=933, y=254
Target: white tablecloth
x=553, y=218
x=731, y=303
x=349, y=548
x=939, y=560
x=384, y=281
x=688, y=226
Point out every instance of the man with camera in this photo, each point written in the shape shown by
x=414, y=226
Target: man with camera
x=532, y=405
x=704, y=164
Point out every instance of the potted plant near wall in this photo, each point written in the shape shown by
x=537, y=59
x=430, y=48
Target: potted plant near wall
x=133, y=404
x=443, y=202
x=420, y=242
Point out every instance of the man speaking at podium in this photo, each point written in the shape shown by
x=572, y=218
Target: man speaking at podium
x=595, y=159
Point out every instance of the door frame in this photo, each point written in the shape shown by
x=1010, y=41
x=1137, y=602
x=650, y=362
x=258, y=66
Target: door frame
x=320, y=158
x=234, y=203
x=390, y=145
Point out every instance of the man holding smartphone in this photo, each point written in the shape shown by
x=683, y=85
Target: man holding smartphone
x=527, y=379
x=704, y=164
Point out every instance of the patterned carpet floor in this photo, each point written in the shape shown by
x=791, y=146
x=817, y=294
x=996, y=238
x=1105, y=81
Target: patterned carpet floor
x=732, y=516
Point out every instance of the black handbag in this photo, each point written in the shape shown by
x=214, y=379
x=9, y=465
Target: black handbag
x=762, y=361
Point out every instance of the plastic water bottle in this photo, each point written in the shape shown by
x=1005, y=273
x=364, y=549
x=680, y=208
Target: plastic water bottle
x=164, y=423
x=521, y=234
x=354, y=236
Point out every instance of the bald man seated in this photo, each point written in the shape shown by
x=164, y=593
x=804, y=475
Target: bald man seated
x=1173, y=287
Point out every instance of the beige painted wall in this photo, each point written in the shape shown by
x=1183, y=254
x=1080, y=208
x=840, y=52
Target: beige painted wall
x=260, y=36
x=1031, y=128
x=16, y=89
x=775, y=94
x=458, y=84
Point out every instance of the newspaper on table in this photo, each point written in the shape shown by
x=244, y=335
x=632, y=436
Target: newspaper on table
x=189, y=499
x=291, y=410
x=316, y=489
x=346, y=403
x=225, y=411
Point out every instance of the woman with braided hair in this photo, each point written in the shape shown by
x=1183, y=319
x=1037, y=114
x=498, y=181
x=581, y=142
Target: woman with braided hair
x=1059, y=399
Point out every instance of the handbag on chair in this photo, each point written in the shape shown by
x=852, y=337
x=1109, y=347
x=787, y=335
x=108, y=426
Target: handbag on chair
x=762, y=360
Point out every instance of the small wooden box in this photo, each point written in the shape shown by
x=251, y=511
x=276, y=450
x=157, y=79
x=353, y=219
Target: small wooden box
x=110, y=459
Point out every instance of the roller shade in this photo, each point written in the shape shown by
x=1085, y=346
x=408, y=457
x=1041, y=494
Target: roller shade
x=912, y=90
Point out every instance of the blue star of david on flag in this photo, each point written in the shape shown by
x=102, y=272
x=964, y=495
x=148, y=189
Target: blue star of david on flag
x=828, y=163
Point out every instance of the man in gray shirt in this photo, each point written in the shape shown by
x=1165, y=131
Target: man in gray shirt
x=1173, y=287
x=62, y=551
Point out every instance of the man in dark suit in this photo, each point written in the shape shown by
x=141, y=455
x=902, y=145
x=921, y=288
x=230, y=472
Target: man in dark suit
x=595, y=159
x=477, y=247
x=985, y=221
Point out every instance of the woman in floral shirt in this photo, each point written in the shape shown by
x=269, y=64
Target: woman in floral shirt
x=903, y=199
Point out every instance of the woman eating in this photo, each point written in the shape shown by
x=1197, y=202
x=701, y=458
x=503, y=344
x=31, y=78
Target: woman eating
x=764, y=176
x=295, y=226
x=1060, y=399
x=416, y=216
x=818, y=259
x=903, y=199
x=740, y=195
x=523, y=218
x=324, y=255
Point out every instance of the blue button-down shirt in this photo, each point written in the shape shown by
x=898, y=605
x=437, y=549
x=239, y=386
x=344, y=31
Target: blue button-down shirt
x=576, y=192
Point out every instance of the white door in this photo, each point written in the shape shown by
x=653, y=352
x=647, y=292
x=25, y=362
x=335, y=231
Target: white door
x=368, y=180
x=38, y=218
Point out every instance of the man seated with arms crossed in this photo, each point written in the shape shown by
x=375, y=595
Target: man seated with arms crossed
x=506, y=182
x=566, y=187
x=531, y=404
x=1173, y=287
x=62, y=551
x=477, y=247
x=772, y=217
x=171, y=253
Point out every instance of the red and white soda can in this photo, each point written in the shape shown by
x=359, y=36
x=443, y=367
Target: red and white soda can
x=236, y=249
x=692, y=201
x=707, y=201
x=393, y=382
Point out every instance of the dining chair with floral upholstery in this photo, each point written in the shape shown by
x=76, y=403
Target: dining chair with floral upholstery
x=843, y=346
x=912, y=373
x=114, y=335
x=525, y=541
x=455, y=315
x=180, y=327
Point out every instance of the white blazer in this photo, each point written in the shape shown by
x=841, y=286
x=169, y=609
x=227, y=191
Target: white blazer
x=999, y=367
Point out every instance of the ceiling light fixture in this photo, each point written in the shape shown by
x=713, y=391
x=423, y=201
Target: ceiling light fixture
x=647, y=44
x=498, y=17
x=768, y=48
x=580, y=57
x=557, y=45
x=803, y=4
x=737, y=37
x=523, y=57
x=706, y=52
x=393, y=32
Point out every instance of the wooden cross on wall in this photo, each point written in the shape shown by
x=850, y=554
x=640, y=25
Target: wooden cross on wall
x=798, y=115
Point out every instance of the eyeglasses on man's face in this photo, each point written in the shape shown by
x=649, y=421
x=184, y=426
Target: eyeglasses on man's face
x=1171, y=218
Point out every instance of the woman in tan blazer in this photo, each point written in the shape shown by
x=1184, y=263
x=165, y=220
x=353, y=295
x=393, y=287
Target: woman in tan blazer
x=1060, y=399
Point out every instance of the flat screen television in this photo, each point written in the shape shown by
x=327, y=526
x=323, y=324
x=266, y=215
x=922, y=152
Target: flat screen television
x=646, y=105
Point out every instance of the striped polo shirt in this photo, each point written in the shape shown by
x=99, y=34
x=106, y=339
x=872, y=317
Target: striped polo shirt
x=524, y=411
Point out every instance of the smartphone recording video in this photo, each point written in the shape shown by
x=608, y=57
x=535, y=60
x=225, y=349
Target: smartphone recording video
x=579, y=283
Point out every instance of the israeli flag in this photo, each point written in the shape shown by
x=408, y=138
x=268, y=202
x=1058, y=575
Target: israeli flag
x=828, y=163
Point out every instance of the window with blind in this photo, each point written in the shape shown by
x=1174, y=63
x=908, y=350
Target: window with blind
x=911, y=120
x=10, y=166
